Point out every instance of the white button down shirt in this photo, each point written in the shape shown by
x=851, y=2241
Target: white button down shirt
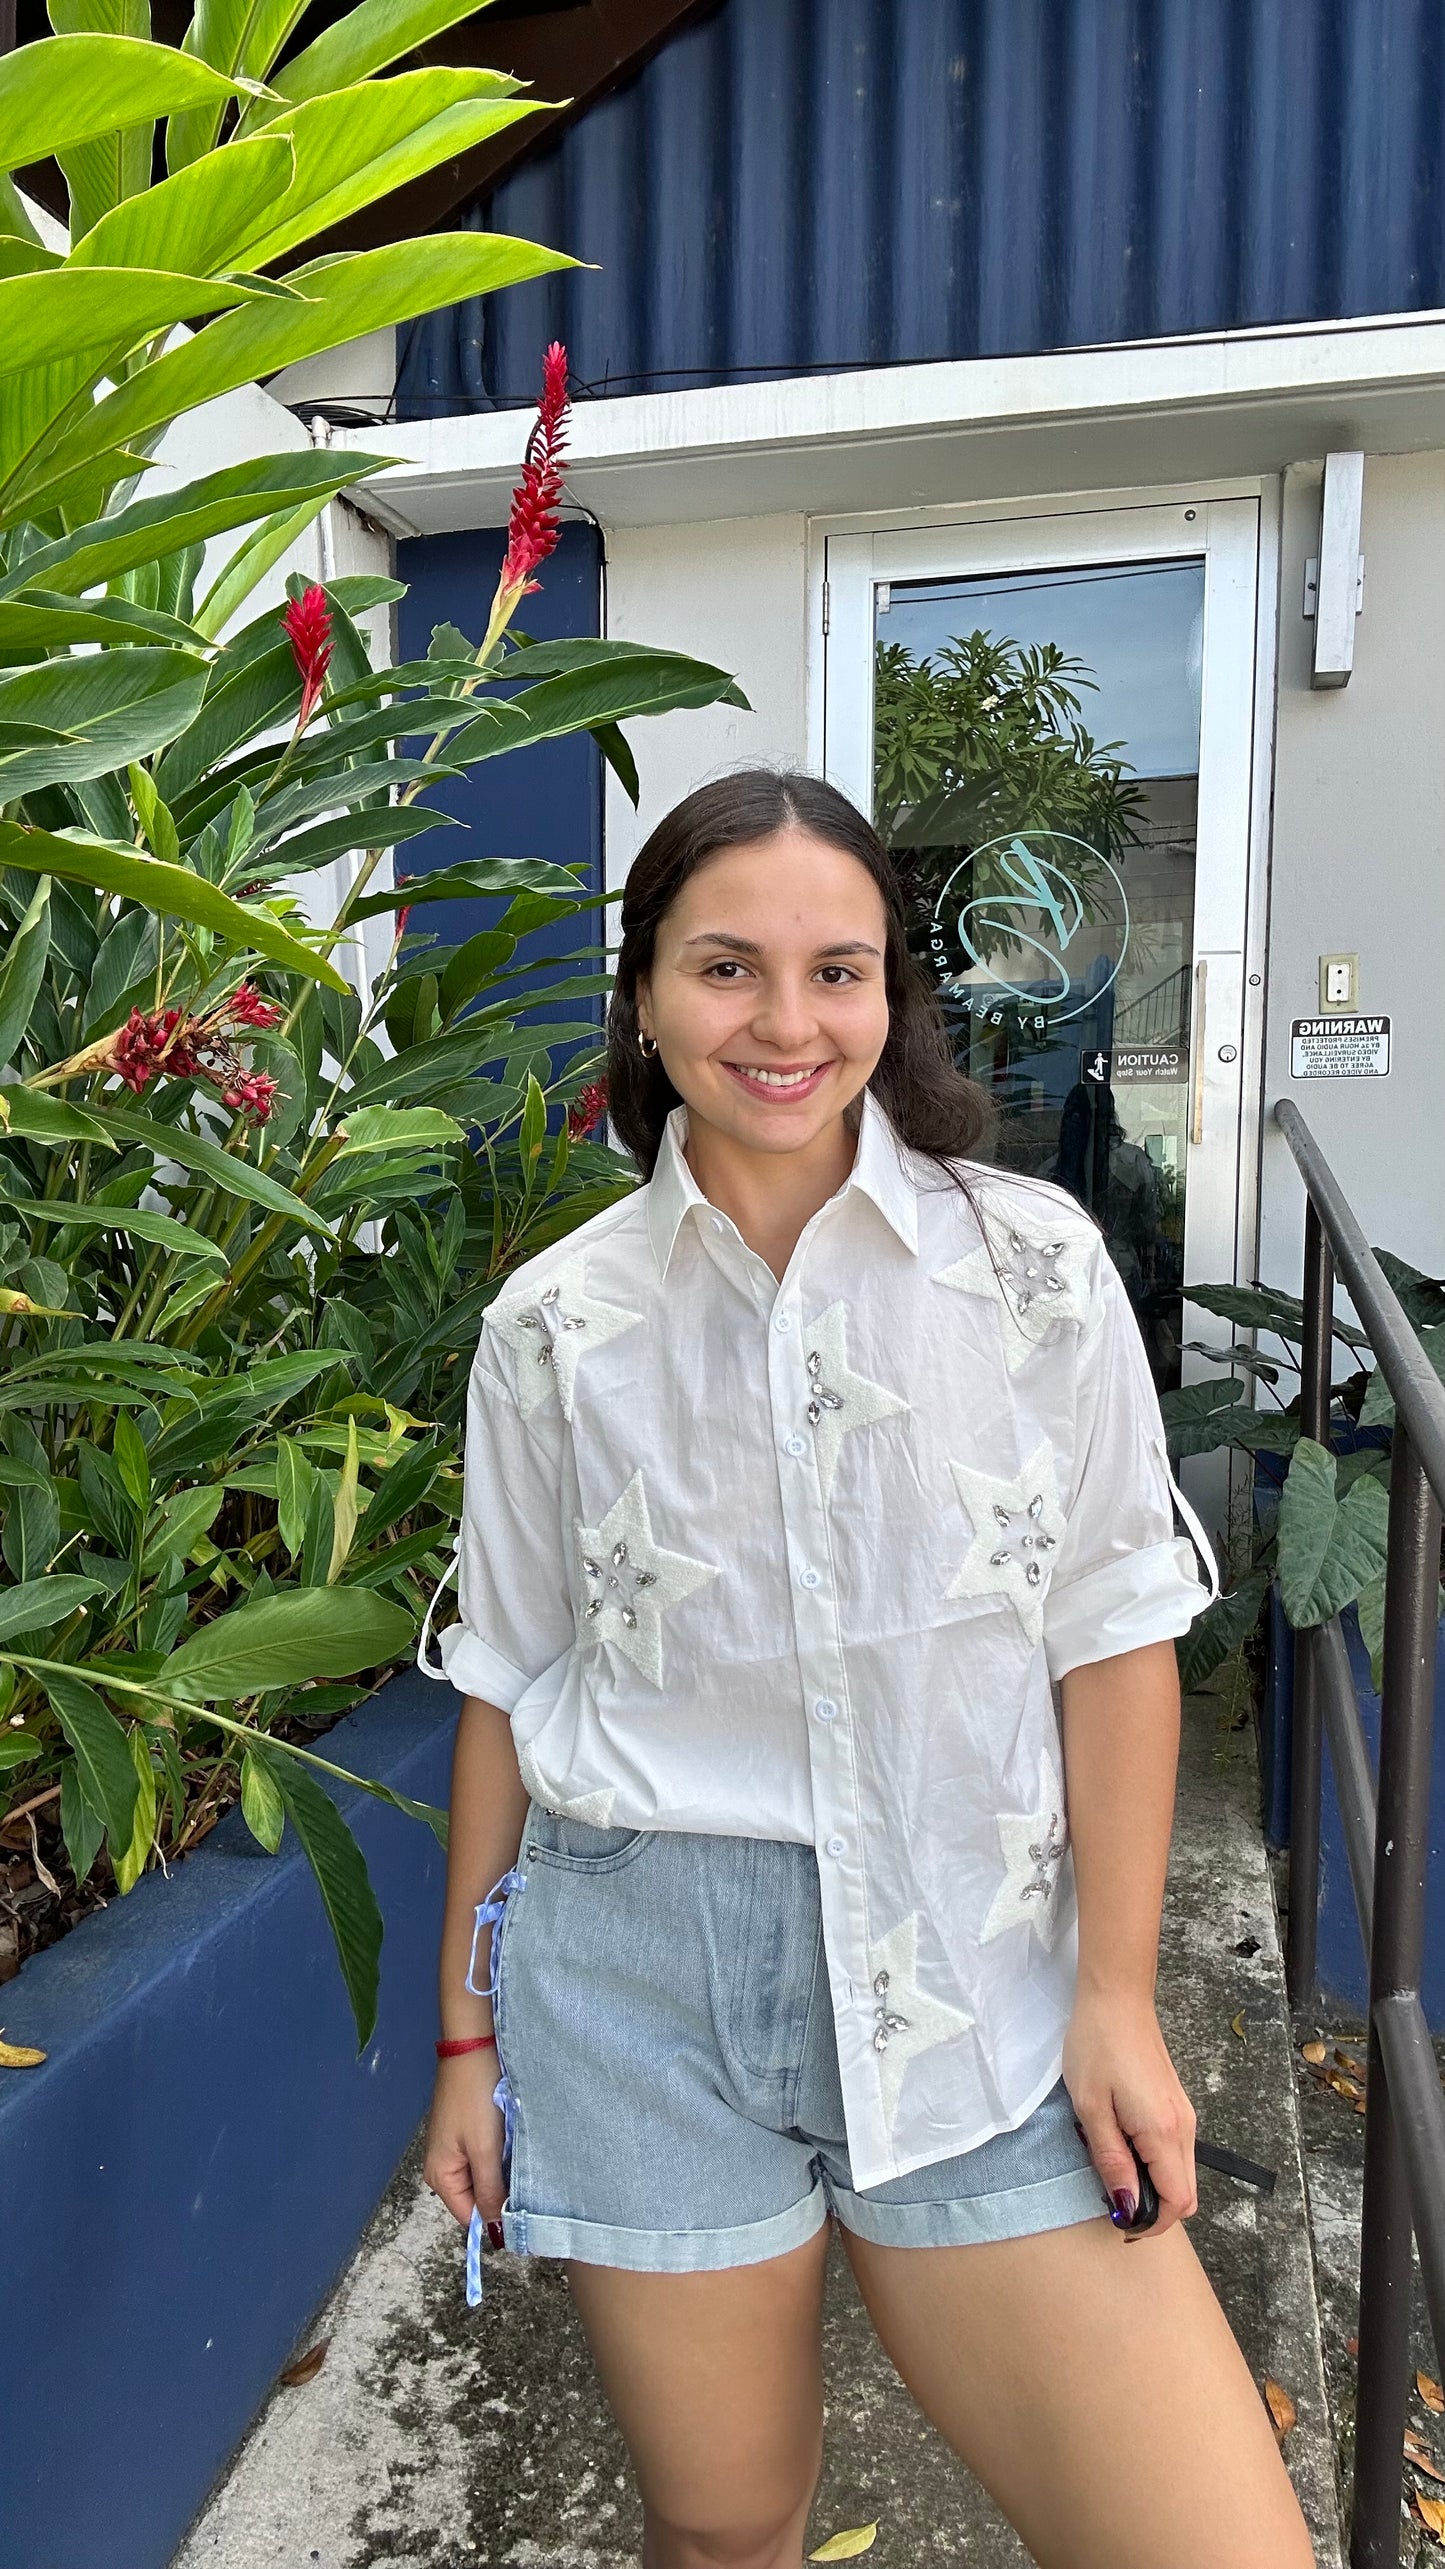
x=802, y=1560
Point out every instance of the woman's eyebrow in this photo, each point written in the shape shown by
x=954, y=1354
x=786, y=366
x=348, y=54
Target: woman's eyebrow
x=748, y=945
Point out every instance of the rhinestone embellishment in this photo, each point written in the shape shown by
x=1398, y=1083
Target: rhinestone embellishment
x=885, y=2022
x=551, y=1319
x=1024, y=1546
x=820, y=1397
x=1045, y=1857
x=1031, y=1270
x=619, y=1583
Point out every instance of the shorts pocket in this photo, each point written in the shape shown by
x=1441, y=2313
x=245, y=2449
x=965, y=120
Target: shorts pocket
x=575, y=1846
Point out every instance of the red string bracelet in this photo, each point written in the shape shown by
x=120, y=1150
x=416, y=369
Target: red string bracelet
x=472, y=2043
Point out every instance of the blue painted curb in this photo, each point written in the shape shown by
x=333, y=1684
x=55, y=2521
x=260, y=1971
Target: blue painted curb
x=185, y=2178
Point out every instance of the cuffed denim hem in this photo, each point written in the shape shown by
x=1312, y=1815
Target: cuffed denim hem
x=966, y=2220
x=665, y=2252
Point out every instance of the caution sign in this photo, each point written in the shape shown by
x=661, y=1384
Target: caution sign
x=1149, y=1062
x=1339, y=1048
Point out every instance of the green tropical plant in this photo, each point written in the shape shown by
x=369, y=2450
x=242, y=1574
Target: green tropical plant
x=1322, y=1527
x=976, y=741
x=249, y=1219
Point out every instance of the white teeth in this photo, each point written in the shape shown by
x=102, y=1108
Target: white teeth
x=778, y=1078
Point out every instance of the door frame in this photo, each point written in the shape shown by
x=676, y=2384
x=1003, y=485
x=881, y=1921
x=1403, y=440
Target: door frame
x=1234, y=525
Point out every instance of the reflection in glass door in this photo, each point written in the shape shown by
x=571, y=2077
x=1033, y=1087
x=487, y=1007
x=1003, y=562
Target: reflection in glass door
x=1036, y=729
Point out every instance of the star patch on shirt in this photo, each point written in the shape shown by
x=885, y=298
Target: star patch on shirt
x=1038, y=1270
x=906, y=2019
x=838, y=1399
x=552, y=1330
x=632, y=1581
x=1031, y=1893
x=1017, y=1527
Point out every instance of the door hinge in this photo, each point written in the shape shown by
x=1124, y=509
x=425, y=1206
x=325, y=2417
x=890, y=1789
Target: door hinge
x=827, y=605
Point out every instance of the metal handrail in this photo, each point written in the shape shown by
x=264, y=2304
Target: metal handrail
x=1386, y=1825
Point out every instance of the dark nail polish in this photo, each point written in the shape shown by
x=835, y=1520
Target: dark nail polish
x=1126, y=2206
x=1078, y=2127
x=496, y=2234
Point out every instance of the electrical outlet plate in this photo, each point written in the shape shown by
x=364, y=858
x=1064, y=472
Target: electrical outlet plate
x=1339, y=985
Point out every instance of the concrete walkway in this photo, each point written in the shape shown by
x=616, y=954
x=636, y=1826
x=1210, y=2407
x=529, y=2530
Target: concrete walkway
x=461, y=2441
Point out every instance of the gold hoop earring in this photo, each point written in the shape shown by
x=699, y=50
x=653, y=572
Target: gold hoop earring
x=646, y=1045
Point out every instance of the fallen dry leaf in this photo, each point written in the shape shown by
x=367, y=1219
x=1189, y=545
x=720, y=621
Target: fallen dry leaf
x=1348, y=2061
x=1349, y=2088
x=307, y=2366
x=1313, y=2051
x=847, y=2546
x=1352, y=2345
x=1431, y=2393
x=1422, y=2457
x=1431, y=2512
x=19, y=2056
x=1280, y=2406
x=1236, y=2024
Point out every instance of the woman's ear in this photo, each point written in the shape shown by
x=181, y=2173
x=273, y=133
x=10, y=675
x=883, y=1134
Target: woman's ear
x=642, y=1001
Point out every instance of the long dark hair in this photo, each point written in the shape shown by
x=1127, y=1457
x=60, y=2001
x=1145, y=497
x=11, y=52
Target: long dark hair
x=932, y=1107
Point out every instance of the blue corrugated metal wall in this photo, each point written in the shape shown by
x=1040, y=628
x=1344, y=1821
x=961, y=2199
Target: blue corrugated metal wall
x=821, y=184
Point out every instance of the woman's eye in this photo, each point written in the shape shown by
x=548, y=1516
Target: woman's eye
x=725, y=963
x=841, y=968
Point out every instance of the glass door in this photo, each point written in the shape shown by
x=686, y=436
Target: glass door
x=1050, y=720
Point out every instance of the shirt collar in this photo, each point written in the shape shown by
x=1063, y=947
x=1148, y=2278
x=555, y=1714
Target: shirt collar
x=879, y=1171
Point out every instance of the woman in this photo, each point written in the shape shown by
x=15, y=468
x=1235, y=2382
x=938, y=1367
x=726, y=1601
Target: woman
x=796, y=1482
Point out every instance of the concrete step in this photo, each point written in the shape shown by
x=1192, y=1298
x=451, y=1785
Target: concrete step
x=435, y=2437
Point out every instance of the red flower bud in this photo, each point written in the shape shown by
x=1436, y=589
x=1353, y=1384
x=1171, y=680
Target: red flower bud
x=532, y=528
x=307, y=623
x=587, y=1110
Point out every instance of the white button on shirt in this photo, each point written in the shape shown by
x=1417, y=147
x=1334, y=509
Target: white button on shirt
x=987, y=1490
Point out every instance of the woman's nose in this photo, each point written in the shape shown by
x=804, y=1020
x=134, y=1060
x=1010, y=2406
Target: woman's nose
x=785, y=1015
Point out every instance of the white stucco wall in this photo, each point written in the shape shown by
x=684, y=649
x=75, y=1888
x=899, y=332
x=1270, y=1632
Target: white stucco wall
x=731, y=591
x=1358, y=865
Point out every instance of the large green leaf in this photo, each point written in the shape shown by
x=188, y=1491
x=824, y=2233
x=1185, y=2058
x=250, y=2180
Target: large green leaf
x=341, y=1877
x=1198, y=1417
x=644, y=682
x=40, y=620
x=32, y=1116
x=242, y=37
x=101, y=709
x=361, y=143
x=391, y=1128
x=240, y=704
x=152, y=528
x=64, y=90
x=1220, y=1629
x=386, y=826
x=1329, y=1548
x=107, y=1776
x=1264, y=1307
x=39, y=1604
x=197, y=221
x=62, y=312
x=136, y=1221
x=479, y=876
x=345, y=298
x=287, y=1639
x=98, y=174
x=171, y=890
x=228, y=1170
x=365, y=40
x=22, y=970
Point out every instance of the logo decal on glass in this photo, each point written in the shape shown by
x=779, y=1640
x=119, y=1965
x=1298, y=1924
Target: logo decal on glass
x=1029, y=930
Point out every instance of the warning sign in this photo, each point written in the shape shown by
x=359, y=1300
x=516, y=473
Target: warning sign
x=1339, y=1048
x=1149, y=1061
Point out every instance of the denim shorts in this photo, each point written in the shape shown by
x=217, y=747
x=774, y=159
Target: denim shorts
x=670, y=2069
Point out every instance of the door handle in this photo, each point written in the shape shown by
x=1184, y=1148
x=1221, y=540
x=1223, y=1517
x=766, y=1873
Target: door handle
x=1196, y=1116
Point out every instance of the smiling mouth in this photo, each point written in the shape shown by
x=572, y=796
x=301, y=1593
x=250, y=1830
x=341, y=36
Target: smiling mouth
x=762, y=1082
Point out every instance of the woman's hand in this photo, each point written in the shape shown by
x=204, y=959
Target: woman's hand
x=1125, y=2087
x=463, y=2163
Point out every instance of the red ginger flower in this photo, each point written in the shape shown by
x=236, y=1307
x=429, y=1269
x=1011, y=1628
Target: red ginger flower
x=248, y=1008
x=307, y=623
x=254, y=1092
x=587, y=1110
x=532, y=528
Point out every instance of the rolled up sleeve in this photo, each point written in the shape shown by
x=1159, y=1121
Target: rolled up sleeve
x=1122, y=1577
x=516, y=1610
